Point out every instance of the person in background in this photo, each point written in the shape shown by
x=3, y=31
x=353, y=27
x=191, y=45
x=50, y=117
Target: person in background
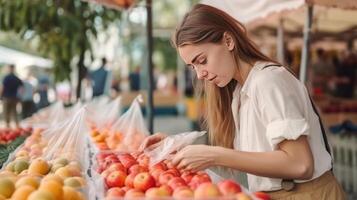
x=134, y=79
x=321, y=73
x=11, y=84
x=42, y=89
x=99, y=79
x=346, y=75
x=27, y=92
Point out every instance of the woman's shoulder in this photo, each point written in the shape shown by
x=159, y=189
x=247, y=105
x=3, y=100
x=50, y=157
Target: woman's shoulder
x=270, y=72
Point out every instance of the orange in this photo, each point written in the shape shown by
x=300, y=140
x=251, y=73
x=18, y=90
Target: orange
x=22, y=192
x=53, y=187
x=39, y=166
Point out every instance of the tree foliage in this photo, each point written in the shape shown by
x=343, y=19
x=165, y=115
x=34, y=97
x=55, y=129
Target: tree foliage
x=63, y=27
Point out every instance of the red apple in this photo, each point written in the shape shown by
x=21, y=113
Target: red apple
x=183, y=193
x=137, y=169
x=197, y=180
x=115, y=179
x=125, y=188
x=159, y=165
x=129, y=181
x=143, y=181
x=167, y=188
x=157, y=192
x=117, y=167
x=134, y=194
x=127, y=160
x=115, y=192
x=106, y=173
x=207, y=190
x=262, y=195
x=242, y=196
x=109, y=161
x=165, y=177
x=156, y=174
x=229, y=187
x=176, y=182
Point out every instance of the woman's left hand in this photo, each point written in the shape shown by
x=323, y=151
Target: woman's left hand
x=194, y=157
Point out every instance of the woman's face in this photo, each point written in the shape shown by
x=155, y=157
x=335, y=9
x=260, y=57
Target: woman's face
x=212, y=62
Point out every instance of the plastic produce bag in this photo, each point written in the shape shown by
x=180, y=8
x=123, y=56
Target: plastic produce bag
x=74, y=109
x=46, y=117
x=102, y=115
x=60, y=150
x=68, y=139
x=172, y=144
x=129, y=131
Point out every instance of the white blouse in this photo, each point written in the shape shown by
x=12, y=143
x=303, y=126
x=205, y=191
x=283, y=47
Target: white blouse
x=270, y=107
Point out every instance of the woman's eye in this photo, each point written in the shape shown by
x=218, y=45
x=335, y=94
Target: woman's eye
x=204, y=61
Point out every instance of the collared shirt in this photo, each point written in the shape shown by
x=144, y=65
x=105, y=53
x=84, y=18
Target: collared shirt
x=272, y=106
x=11, y=85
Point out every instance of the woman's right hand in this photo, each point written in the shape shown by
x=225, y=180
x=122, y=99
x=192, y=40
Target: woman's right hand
x=152, y=141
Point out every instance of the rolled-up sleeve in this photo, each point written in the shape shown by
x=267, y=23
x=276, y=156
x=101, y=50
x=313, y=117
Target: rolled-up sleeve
x=281, y=101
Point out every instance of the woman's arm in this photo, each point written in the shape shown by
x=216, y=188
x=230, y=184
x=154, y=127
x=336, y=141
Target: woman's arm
x=292, y=160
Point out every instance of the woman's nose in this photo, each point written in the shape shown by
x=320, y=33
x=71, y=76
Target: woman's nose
x=201, y=74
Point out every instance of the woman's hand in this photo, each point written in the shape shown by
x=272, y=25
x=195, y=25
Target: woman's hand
x=152, y=141
x=195, y=157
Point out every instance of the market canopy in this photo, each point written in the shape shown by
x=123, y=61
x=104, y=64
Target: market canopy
x=21, y=59
x=329, y=15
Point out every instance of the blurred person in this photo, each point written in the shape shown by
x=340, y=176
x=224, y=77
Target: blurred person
x=346, y=75
x=27, y=91
x=259, y=116
x=134, y=79
x=321, y=72
x=99, y=79
x=10, y=89
x=43, y=85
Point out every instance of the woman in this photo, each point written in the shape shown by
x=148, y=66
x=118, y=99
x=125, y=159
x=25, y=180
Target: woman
x=259, y=116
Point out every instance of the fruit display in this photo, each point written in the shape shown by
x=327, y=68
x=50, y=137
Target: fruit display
x=124, y=134
x=129, y=175
x=10, y=139
x=39, y=179
x=64, y=162
x=9, y=135
x=30, y=176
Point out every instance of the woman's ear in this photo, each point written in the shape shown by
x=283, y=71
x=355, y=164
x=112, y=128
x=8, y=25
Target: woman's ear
x=228, y=41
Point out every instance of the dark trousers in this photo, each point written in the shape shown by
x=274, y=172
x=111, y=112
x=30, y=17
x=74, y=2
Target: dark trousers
x=28, y=108
x=9, y=107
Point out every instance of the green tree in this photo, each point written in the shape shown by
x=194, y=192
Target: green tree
x=62, y=27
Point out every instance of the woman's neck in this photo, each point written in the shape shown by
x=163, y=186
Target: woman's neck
x=243, y=71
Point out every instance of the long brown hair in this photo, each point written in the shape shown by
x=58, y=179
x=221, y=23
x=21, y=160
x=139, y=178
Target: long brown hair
x=208, y=24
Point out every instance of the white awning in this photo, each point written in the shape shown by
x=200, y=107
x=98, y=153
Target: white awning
x=329, y=15
x=21, y=59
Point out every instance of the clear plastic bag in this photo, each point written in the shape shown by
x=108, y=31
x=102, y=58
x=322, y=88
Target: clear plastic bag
x=62, y=149
x=68, y=139
x=103, y=113
x=46, y=117
x=172, y=144
x=129, y=131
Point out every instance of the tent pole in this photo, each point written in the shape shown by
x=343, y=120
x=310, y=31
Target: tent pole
x=306, y=46
x=280, y=42
x=150, y=104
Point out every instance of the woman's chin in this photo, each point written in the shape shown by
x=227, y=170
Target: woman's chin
x=221, y=84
